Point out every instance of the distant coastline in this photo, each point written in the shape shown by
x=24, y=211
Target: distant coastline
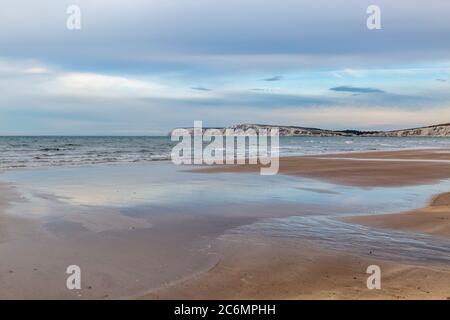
x=439, y=130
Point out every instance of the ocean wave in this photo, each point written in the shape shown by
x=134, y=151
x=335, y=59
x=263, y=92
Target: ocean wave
x=23, y=152
x=49, y=149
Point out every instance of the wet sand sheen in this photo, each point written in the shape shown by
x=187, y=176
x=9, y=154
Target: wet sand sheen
x=305, y=272
x=433, y=219
x=187, y=238
x=277, y=268
x=346, y=169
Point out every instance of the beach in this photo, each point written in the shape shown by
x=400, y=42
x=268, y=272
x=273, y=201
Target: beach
x=302, y=272
x=433, y=219
x=127, y=129
x=157, y=231
x=366, y=169
x=267, y=268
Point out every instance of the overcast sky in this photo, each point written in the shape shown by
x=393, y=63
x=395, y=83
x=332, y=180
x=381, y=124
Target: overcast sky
x=143, y=67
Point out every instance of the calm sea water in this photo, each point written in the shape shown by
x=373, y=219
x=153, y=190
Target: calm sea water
x=24, y=152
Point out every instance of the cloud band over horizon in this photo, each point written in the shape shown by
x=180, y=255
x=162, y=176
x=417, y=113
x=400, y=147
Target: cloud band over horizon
x=144, y=68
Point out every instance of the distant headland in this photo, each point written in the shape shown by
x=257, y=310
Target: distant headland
x=439, y=130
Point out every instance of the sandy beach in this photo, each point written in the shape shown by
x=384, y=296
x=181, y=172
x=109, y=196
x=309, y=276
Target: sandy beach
x=217, y=263
x=268, y=268
x=367, y=169
x=127, y=129
x=433, y=219
x=273, y=268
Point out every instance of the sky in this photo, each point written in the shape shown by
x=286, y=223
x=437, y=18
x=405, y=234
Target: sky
x=144, y=67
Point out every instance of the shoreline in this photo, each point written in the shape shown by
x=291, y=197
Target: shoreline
x=168, y=159
x=246, y=263
x=307, y=271
x=311, y=272
x=432, y=219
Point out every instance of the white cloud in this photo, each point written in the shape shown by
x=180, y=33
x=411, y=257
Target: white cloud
x=16, y=67
x=44, y=81
x=49, y=99
x=93, y=84
x=36, y=70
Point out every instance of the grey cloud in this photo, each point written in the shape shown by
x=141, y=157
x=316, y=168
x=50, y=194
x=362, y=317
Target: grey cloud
x=356, y=89
x=274, y=78
x=201, y=89
x=118, y=35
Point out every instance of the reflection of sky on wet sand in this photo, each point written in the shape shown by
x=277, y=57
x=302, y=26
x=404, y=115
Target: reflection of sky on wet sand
x=164, y=184
x=124, y=197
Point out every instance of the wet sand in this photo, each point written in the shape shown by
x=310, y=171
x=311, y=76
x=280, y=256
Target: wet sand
x=7, y=195
x=433, y=219
x=255, y=267
x=367, y=169
x=274, y=268
x=123, y=250
x=188, y=254
x=302, y=271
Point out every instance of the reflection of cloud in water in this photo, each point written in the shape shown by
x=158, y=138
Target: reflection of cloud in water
x=93, y=218
x=164, y=184
x=94, y=196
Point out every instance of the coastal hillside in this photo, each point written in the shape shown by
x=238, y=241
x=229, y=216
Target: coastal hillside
x=439, y=130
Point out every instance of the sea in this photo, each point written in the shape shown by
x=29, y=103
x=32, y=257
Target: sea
x=48, y=151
